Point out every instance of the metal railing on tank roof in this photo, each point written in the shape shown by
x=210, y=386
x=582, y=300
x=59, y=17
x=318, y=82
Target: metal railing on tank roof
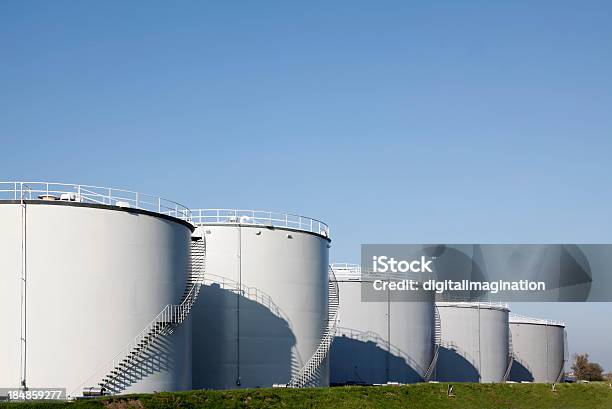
x=346, y=271
x=473, y=304
x=49, y=191
x=523, y=319
x=261, y=218
x=354, y=272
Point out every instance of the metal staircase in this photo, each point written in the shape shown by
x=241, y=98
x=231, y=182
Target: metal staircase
x=565, y=357
x=455, y=348
x=248, y=292
x=437, y=342
x=307, y=375
x=510, y=358
x=381, y=342
x=123, y=370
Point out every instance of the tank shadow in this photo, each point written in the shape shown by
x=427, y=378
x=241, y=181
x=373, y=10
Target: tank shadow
x=365, y=362
x=519, y=373
x=453, y=367
x=158, y=357
x=239, y=342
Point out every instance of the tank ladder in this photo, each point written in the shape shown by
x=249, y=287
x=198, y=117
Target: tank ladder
x=307, y=375
x=115, y=376
x=437, y=342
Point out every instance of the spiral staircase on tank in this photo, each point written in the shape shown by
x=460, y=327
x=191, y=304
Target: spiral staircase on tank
x=510, y=358
x=565, y=357
x=117, y=375
x=307, y=376
x=437, y=342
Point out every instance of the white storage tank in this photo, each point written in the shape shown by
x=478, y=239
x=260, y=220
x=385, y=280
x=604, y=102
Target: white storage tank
x=380, y=342
x=475, y=342
x=539, y=349
x=84, y=271
x=263, y=312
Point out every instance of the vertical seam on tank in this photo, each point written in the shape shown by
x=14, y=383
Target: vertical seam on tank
x=23, y=330
x=238, y=293
x=479, y=348
x=387, y=355
x=547, y=358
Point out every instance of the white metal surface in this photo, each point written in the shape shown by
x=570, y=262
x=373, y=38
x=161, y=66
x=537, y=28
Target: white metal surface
x=308, y=374
x=50, y=191
x=96, y=276
x=117, y=374
x=259, y=218
x=539, y=347
x=380, y=342
x=262, y=322
x=475, y=342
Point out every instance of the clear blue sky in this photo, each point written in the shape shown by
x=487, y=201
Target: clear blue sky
x=467, y=122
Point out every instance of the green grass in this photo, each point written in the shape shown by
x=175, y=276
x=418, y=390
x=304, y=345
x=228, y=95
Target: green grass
x=434, y=396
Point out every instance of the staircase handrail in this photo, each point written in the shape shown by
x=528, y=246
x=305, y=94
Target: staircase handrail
x=437, y=341
x=305, y=375
x=453, y=346
x=167, y=313
x=371, y=336
x=510, y=358
x=259, y=295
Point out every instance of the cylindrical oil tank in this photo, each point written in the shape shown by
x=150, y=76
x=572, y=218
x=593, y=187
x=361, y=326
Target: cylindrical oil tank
x=539, y=349
x=263, y=310
x=82, y=274
x=380, y=341
x=475, y=342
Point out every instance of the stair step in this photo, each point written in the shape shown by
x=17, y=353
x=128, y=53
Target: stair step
x=112, y=380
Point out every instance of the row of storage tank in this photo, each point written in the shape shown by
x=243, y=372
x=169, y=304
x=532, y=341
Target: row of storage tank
x=421, y=340
x=112, y=295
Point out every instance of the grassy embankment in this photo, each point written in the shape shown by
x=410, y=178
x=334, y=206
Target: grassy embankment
x=434, y=396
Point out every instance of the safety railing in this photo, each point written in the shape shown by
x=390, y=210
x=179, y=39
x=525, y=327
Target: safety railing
x=251, y=293
x=475, y=304
x=261, y=218
x=524, y=364
x=49, y=191
x=354, y=272
x=307, y=375
x=510, y=358
x=565, y=357
x=523, y=319
x=437, y=342
x=346, y=271
x=454, y=347
x=108, y=376
x=382, y=343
